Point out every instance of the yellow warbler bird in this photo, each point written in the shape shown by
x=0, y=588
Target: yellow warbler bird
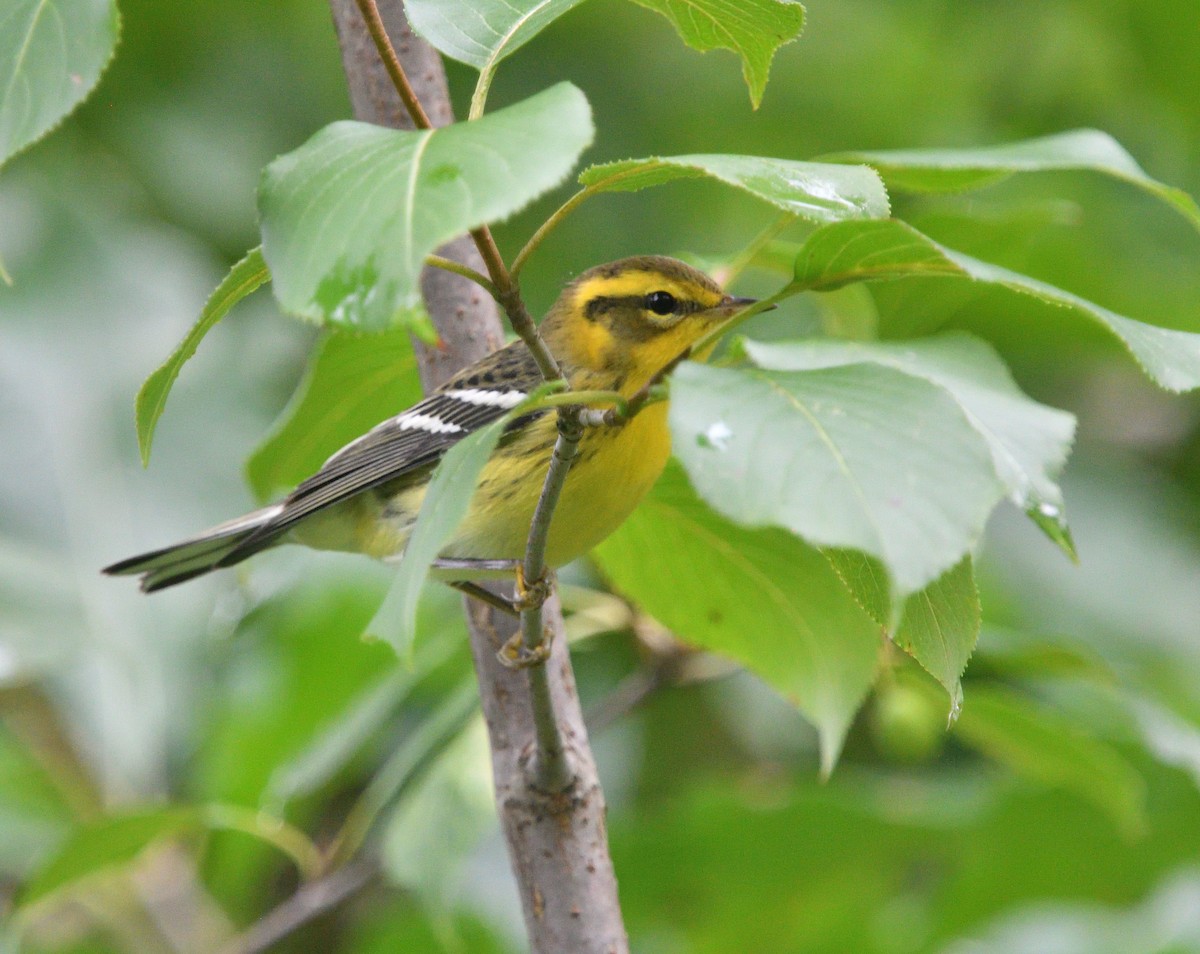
x=614, y=328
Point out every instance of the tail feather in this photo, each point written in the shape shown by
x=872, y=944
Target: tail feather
x=197, y=555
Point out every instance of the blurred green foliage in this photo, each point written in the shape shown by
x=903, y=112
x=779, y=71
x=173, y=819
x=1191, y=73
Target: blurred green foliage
x=115, y=229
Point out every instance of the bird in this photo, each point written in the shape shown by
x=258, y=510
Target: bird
x=616, y=327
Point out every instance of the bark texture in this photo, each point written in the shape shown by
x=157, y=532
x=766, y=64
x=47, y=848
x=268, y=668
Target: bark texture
x=557, y=841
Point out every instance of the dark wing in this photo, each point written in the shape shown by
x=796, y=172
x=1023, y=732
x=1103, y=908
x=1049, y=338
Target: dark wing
x=407, y=443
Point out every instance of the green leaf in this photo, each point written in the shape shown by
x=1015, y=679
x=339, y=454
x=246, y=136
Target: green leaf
x=353, y=382
x=103, y=845
x=753, y=29
x=117, y=841
x=1042, y=744
x=245, y=276
x=939, y=626
x=944, y=170
x=862, y=456
x=820, y=192
x=443, y=507
x=481, y=33
x=52, y=52
x=760, y=596
x=344, y=734
x=421, y=746
x=845, y=252
x=1029, y=441
x=348, y=218
x=439, y=824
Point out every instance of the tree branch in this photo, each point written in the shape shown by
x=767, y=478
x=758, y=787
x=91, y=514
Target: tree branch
x=551, y=769
x=557, y=840
x=508, y=294
x=310, y=901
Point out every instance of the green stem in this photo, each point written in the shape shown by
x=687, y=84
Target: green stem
x=557, y=216
x=466, y=271
x=274, y=831
x=479, y=97
x=567, y=398
x=751, y=251
x=547, y=227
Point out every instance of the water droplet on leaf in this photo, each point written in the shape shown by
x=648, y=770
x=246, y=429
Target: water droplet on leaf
x=716, y=436
x=1049, y=517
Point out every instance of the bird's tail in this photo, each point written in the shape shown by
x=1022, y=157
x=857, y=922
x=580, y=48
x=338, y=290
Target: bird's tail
x=197, y=555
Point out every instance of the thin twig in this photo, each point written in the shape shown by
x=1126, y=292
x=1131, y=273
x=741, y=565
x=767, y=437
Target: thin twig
x=391, y=62
x=553, y=772
x=310, y=901
x=506, y=291
x=509, y=297
x=630, y=693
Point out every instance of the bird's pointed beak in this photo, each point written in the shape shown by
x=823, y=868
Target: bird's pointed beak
x=728, y=306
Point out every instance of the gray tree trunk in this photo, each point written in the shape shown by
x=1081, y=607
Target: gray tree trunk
x=557, y=841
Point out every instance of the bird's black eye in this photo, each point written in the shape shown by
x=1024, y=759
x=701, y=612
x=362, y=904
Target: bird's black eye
x=661, y=302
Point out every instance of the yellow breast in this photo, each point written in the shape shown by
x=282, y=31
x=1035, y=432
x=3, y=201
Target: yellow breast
x=614, y=469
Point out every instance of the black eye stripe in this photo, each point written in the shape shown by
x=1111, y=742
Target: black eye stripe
x=602, y=303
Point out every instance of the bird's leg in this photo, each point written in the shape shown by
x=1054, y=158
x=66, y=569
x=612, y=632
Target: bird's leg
x=529, y=595
x=516, y=655
x=532, y=594
x=461, y=574
x=484, y=595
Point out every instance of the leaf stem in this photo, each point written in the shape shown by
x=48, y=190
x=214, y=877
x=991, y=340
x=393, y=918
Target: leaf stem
x=548, y=226
x=559, y=214
x=274, y=831
x=450, y=265
x=565, y=398
x=751, y=251
x=482, y=86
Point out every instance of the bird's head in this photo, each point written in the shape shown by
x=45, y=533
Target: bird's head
x=618, y=325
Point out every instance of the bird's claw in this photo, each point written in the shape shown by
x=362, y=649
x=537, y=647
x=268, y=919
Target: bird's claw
x=532, y=594
x=515, y=654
